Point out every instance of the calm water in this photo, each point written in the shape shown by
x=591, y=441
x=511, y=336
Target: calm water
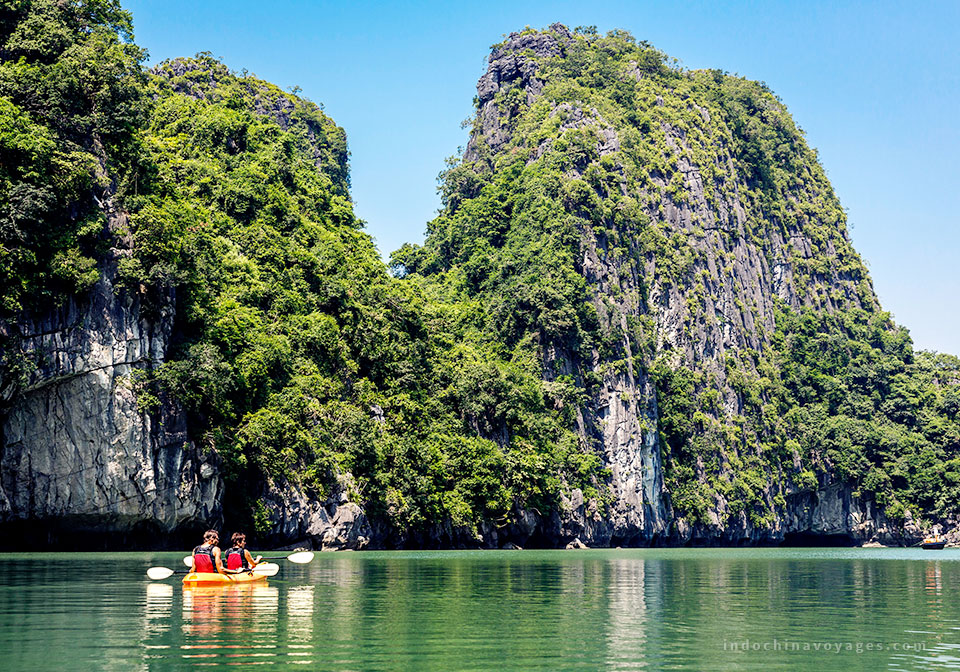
x=494, y=610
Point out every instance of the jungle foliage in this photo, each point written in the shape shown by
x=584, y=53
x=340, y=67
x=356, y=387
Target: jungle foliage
x=71, y=106
x=836, y=391
x=302, y=357
x=443, y=386
x=297, y=355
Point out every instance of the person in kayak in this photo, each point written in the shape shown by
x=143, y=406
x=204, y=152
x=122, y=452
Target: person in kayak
x=206, y=556
x=238, y=557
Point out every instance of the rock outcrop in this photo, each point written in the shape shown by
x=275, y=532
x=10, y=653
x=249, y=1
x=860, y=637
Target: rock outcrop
x=77, y=456
x=738, y=260
x=334, y=524
x=685, y=249
x=82, y=465
x=511, y=65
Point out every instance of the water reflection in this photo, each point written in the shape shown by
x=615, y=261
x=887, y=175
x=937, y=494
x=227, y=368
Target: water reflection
x=627, y=640
x=158, y=607
x=590, y=610
x=234, y=623
x=300, y=601
x=212, y=609
x=934, y=578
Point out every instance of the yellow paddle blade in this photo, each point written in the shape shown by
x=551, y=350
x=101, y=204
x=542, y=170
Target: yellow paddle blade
x=159, y=573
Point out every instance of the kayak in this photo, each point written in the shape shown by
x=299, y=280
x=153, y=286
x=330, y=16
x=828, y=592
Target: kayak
x=214, y=579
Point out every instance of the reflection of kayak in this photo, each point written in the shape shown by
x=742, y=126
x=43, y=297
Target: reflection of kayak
x=210, y=610
x=214, y=579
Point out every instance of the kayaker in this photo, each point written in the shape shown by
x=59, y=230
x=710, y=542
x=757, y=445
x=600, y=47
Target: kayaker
x=206, y=556
x=238, y=557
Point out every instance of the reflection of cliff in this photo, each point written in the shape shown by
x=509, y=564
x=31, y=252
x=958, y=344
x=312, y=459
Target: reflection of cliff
x=632, y=636
x=300, y=601
x=157, y=610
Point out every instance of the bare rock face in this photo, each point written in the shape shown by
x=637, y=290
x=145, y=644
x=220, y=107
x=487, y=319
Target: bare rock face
x=623, y=419
x=330, y=525
x=833, y=511
x=512, y=65
x=75, y=451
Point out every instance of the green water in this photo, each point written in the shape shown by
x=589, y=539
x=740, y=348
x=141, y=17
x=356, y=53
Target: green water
x=494, y=610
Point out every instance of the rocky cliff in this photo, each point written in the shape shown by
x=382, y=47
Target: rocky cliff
x=80, y=463
x=698, y=220
x=638, y=319
x=92, y=452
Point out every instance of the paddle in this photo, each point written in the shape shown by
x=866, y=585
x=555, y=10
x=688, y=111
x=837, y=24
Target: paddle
x=161, y=573
x=299, y=558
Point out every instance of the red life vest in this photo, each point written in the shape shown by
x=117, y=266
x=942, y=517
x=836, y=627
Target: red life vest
x=203, y=559
x=236, y=558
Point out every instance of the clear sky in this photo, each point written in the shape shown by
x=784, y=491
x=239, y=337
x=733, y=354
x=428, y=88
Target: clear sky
x=876, y=86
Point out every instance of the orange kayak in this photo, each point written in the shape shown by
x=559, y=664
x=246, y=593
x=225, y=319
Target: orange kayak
x=214, y=579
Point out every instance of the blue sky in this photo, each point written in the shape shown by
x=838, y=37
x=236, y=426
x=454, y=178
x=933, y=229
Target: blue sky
x=876, y=86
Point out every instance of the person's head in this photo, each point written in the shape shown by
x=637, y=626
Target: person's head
x=211, y=537
x=238, y=539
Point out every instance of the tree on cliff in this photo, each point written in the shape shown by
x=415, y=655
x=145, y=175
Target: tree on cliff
x=71, y=106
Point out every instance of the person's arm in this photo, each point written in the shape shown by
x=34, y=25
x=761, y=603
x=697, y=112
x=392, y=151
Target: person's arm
x=250, y=560
x=216, y=559
x=193, y=563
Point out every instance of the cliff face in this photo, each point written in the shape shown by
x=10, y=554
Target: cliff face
x=696, y=217
x=93, y=452
x=78, y=460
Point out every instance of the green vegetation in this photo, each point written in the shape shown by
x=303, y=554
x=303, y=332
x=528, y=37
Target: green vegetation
x=464, y=385
x=835, y=391
x=71, y=102
x=301, y=357
x=858, y=399
x=297, y=355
